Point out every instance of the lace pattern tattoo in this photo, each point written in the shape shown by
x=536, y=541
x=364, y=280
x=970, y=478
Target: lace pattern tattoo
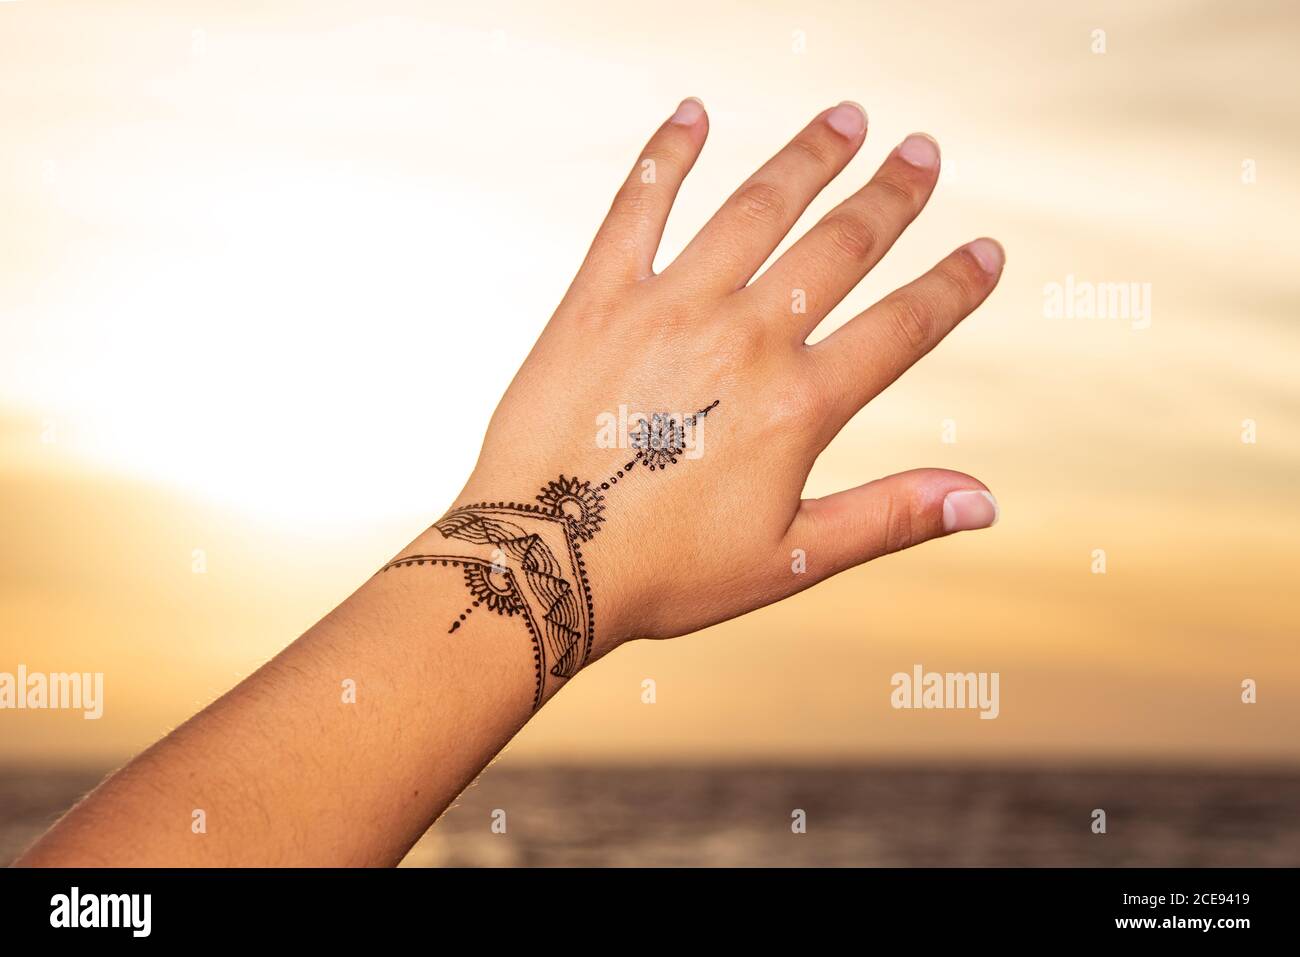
x=525, y=559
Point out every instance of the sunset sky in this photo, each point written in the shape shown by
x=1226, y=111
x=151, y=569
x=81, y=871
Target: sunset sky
x=265, y=270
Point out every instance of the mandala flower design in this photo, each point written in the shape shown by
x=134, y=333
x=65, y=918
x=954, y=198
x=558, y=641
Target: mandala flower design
x=577, y=503
x=658, y=441
x=492, y=589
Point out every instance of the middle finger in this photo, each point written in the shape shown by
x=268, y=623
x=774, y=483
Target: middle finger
x=827, y=262
x=727, y=252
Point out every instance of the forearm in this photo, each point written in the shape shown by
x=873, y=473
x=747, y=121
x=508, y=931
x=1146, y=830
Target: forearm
x=342, y=750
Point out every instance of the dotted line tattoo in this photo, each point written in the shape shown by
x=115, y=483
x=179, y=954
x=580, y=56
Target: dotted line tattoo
x=525, y=560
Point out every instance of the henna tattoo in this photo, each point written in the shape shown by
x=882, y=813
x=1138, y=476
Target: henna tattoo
x=577, y=503
x=526, y=560
x=490, y=586
x=658, y=441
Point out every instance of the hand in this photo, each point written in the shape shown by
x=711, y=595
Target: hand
x=696, y=518
x=569, y=538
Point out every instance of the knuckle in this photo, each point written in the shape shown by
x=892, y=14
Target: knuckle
x=896, y=190
x=851, y=235
x=898, y=527
x=961, y=278
x=663, y=156
x=912, y=324
x=761, y=203
x=634, y=202
x=814, y=149
x=731, y=347
x=673, y=312
x=589, y=306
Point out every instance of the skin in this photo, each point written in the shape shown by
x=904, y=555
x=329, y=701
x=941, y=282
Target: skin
x=282, y=770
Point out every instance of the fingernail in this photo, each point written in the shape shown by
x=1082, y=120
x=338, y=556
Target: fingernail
x=848, y=119
x=988, y=254
x=963, y=511
x=919, y=150
x=688, y=112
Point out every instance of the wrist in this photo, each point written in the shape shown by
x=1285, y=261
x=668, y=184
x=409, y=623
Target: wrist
x=528, y=562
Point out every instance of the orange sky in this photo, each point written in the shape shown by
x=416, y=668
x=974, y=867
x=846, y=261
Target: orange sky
x=251, y=256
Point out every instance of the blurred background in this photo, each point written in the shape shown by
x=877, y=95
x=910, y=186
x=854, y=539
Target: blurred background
x=248, y=256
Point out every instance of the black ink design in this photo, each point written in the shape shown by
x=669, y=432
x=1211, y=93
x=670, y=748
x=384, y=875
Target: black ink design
x=526, y=560
x=658, y=441
x=577, y=503
x=490, y=586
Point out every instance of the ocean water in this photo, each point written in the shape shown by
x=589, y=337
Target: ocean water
x=855, y=816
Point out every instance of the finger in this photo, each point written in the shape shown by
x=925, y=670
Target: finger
x=625, y=245
x=743, y=233
x=877, y=346
x=849, y=240
x=884, y=516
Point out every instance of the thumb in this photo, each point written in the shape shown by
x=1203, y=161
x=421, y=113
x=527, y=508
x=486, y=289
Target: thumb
x=887, y=515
